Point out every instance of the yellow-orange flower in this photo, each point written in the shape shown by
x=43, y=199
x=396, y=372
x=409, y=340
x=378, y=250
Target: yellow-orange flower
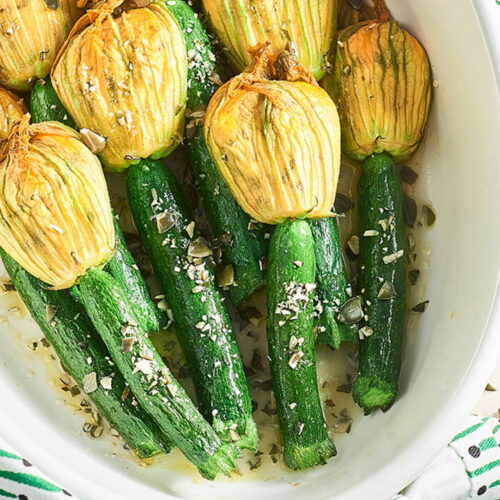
x=382, y=87
x=55, y=214
x=308, y=24
x=12, y=108
x=31, y=34
x=123, y=75
x=276, y=142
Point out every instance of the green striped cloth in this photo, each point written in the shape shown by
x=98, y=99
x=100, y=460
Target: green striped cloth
x=468, y=468
x=19, y=479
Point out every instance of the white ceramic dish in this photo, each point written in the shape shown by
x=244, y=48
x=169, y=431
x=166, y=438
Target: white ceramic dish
x=448, y=357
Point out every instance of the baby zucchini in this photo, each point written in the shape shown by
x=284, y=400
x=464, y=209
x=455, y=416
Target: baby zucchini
x=67, y=327
x=291, y=283
x=123, y=268
x=244, y=241
x=179, y=259
x=382, y=246
x=46, y=106
x=149, y=379
x=332, y=284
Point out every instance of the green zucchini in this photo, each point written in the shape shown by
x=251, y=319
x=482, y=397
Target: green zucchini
x=290, y=335
x=382, y=245
x=202, y=320
x=67, y=327
x=332, y=284
x=244, y=241
x=149, y=378
x=46, y=106
x=123, y=268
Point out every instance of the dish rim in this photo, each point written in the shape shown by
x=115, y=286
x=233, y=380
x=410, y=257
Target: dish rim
x=434, y=438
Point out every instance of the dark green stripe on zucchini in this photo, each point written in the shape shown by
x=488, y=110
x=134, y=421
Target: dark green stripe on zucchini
x=204, y=328
x=123, y=268
x=382, y=246
x=332, y=284
x=67, y=327
x=46, y=106
x=149, y=379
x=290, y=335
x=245, y=244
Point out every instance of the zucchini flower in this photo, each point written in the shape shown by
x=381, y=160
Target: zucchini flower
x=276, y=142
x=31, y=34
x=12, y=109
x=55, y=214
x=241, y=24
x=382, y=86
x=123, y=75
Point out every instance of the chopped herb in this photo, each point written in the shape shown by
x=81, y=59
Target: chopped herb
x=50, y=312
x=421, y=307
x=408, y=175
x=411, y=242
x=429, y=215
x=353, y=245
x=165, y=221
x=409, y=210
x=226, y=276
x=342, y=203
x=295, y=358
x=344, y=388
x=199, y=248
x=413, y=275
x=393, y=257
x=365, y=332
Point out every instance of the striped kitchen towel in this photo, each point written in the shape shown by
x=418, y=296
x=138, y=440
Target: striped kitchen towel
x=19, y=479
x=468, y=468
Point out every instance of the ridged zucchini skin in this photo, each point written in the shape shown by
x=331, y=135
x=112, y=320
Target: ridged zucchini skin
x=76, y=342
x=247, y=247
x=292, y=271
x=203, y=324
x=124, y=269
x=152, y=383
x=380, y=197
x=46, y=106
x=332, y=284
